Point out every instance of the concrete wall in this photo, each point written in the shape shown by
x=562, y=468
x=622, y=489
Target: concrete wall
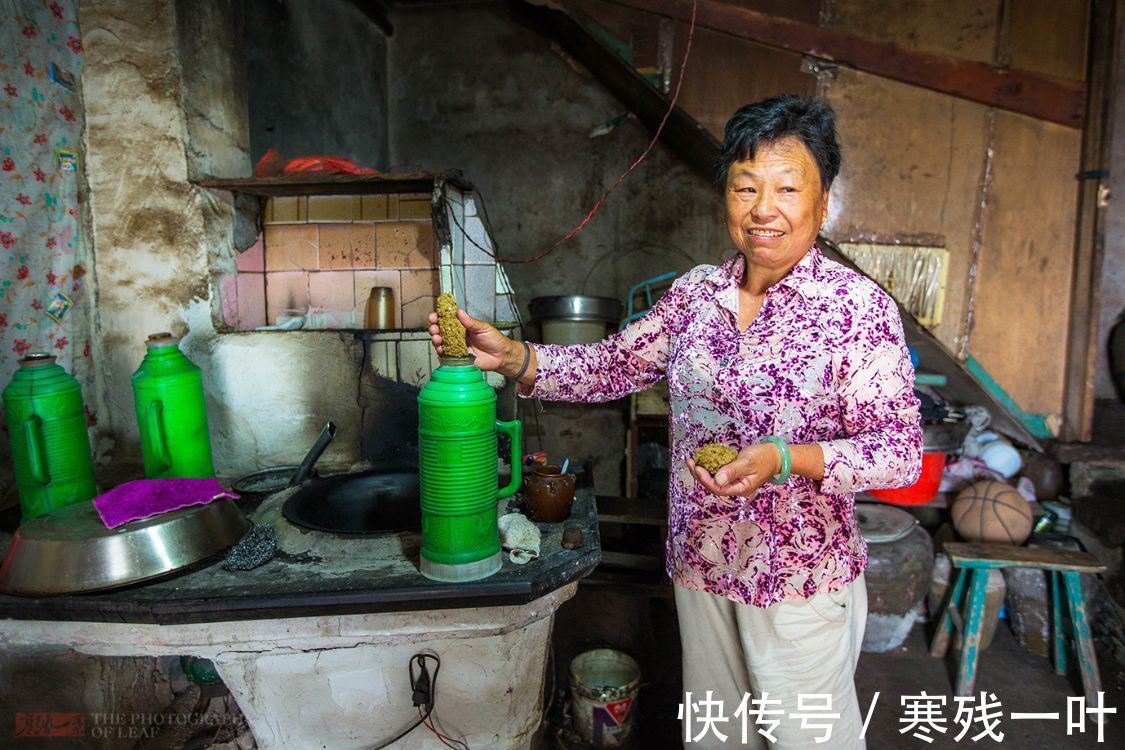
x=161, y=244
x=318, y=80
x=469, y=89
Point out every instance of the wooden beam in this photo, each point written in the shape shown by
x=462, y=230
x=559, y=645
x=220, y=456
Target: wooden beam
x=1044, y=97
x=378, y=13
x=684, y=135
x=1089, y=245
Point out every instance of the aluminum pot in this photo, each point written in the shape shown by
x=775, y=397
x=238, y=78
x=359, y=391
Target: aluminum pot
x=575, y=318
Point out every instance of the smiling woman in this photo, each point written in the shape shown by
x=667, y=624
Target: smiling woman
x=775, y=204
x=800, y=364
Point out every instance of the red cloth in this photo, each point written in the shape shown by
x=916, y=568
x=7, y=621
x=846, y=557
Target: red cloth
x=273, y=164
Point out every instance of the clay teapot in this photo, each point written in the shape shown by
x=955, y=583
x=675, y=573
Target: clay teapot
x=549, y=494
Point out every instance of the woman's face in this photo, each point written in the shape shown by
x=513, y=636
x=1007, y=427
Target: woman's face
x=775, y=204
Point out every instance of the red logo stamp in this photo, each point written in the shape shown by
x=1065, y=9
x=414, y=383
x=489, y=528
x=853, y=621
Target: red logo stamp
x=50, y=724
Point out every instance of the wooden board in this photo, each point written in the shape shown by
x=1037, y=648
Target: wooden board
x=1022, y=293
x=1048, y=36
x=632, y=510
x=1007, y=556
x=962, y=28
x=725, y=73
x=912, y=167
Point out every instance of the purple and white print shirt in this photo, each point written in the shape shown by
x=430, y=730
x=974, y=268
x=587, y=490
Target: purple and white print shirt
x=823, y=362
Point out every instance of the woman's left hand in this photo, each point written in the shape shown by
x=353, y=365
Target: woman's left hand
x=743, y=476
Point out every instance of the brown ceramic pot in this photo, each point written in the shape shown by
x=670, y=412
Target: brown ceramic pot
x=549, y=494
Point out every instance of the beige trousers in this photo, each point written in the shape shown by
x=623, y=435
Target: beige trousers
x=803, y=648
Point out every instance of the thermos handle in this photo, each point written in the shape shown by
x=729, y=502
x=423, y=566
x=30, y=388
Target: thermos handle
x=33, y=436
x=514, y=431
x=157, y=443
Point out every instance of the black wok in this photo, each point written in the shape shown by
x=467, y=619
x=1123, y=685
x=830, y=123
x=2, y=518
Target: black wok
x=367, y=502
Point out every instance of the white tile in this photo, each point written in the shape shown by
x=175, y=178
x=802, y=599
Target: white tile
x=477, y=234
x=414, y=362
x=503, y=286
x=384, y=359
x=480, y=291
x=456, y=234
x=459, y=284
x=385, y=335
x=506, y=309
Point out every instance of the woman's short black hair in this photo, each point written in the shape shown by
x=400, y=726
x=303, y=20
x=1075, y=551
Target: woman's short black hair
x=809, y=118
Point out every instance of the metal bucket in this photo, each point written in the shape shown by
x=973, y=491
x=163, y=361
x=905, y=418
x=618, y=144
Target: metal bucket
x=603, y=689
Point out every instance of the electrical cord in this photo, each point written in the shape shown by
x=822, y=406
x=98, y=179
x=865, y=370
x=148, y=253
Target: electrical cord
x=598, y=204
x=423, y=693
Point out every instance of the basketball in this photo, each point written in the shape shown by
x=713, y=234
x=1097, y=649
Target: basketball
x=991, y=511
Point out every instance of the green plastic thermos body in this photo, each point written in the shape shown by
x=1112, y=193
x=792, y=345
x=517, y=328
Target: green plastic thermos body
x=50, y=446
x=171, y=412
x=457, y=429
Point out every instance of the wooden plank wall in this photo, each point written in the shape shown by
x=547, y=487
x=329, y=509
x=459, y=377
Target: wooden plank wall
x=996, y=189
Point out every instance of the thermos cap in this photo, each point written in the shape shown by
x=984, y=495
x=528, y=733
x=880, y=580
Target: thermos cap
x=161, y=340
x=37, y=359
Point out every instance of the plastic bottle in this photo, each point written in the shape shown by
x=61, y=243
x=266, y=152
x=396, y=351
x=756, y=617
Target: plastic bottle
x=457, y=445
x=50, y=446
x=171, y=412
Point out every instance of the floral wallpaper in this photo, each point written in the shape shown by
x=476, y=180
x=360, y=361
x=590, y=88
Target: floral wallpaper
x=44, y=305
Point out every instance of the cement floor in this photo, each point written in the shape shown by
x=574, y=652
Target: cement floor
x=1021, y=681
x=645, y=626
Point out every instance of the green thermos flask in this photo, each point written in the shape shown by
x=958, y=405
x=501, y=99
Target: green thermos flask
x=171, y=412
x=50, y=445
x=457, y=445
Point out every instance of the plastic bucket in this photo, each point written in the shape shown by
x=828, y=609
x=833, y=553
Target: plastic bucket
x=922, y=491
x=603, y=689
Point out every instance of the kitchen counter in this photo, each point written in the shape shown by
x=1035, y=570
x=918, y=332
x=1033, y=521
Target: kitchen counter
x=314, y=645
x=314, y=572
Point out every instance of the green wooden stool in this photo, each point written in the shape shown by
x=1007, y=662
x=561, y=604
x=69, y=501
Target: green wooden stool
x=977, y=560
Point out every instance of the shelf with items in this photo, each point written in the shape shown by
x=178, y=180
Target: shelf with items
x=634, y=527
x=328, y=240
x=648, y=426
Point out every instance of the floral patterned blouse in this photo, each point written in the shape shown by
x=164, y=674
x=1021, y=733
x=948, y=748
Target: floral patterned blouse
x=824, y=361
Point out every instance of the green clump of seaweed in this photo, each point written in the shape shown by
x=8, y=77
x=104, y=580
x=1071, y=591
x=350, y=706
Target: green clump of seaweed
x=452, y=332
x=714, y=456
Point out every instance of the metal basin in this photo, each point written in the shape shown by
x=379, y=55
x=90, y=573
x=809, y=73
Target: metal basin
x=71, y=550
x=370, y=502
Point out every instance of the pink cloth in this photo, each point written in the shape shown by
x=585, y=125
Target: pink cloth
x=148, y=497
x=823, y=362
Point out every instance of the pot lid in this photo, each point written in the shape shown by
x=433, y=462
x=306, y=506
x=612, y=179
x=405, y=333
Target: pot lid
x=883, y=523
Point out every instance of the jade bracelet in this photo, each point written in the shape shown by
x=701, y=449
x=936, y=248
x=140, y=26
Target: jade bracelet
x=786, y=462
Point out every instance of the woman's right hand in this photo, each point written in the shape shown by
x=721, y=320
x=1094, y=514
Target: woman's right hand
x=493, y=350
